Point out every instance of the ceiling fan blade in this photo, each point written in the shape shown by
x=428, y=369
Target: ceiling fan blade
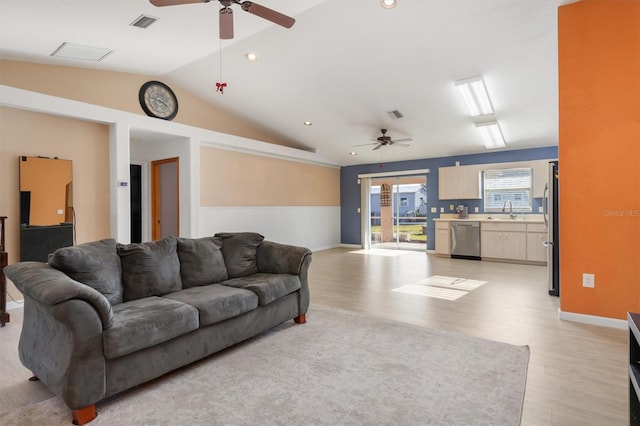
x=377, y=147
x=268, y=14
x=403, y=145
x=160, y=3
x=402, y=140
x=226, y=23
x=365, y=144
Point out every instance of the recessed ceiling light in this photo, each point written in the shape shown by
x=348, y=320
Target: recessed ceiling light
x=307, y=123
x=388, y=4
x=353, y=153
x=251, y=57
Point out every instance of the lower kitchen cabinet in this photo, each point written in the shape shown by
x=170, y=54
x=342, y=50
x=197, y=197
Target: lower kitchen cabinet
x=536, y=236
x=504, y=241
x=442, y=238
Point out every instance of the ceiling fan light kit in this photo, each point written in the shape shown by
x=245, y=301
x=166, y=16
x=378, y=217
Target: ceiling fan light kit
x=226, y=13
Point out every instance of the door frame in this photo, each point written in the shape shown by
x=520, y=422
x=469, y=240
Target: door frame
x=145, y=196
x=365, y=199
x=155, y=194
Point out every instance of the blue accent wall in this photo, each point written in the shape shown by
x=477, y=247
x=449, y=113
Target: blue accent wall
x=350, y=189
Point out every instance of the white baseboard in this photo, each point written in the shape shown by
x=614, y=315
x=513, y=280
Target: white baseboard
x=593, y=320
x=351, y=246
x=325, y=248
x=15, y=305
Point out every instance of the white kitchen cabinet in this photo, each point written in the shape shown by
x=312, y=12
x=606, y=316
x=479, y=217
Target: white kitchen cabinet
x=459, y=183
x=536, y=236
x=503, y=240
x=442, y=238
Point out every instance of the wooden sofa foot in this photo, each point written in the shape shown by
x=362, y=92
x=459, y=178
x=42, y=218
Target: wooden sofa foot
x=84, y=415
x=300, y=319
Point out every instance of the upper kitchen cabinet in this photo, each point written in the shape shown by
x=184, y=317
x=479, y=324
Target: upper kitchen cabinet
x=459, y=183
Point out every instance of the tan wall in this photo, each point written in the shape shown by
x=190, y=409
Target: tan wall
x=48, y=181
x=85, y=144
x=120, y=91
x=236, y=179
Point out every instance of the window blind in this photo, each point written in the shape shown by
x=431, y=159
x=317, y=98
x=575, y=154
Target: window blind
x=504, y=185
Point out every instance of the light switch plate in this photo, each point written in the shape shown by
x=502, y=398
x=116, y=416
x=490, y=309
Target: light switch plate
x=588, y=280
x=60, y=212
x=441, y=209
x=540, y=209
x=434, y=210
x=476, y=209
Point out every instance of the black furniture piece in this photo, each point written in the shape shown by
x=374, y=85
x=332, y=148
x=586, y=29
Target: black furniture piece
x=37, y=242
x=4, y=316
x=634, y=368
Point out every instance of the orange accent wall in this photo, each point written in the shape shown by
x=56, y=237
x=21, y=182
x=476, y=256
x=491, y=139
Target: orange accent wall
x=599, y=153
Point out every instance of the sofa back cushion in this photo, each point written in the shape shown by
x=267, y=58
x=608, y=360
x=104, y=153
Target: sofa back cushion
x=239, y=251
x=201, y=261
x=150, y=269
x=95, y=264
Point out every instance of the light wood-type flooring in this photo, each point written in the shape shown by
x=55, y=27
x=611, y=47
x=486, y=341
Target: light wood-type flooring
x=577, y=373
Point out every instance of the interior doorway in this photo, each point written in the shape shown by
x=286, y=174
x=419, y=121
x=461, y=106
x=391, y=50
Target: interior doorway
x=398, y=213
x=165, y=196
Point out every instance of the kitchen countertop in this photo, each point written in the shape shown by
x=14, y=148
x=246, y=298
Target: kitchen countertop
x=529, y=218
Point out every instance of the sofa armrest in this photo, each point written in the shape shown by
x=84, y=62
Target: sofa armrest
x=276, y=258
x=52, y=287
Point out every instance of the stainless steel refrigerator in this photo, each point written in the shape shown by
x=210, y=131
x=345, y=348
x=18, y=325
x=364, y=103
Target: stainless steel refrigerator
x=550, y=206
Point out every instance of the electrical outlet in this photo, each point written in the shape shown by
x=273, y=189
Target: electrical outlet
x=441, y=209
x=60, y=211
x=476, y=209
x=588, y=280
x=540, y=209
x=451, y=207
x=434, y=210
x=358, y=209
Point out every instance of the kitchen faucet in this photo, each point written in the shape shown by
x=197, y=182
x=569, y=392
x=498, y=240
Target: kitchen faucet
x=504, y=208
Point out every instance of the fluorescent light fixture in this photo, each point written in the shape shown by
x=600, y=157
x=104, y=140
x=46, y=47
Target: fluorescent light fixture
x=491, y=134
x=475, y=95
x=79, y=51
x=388, y=4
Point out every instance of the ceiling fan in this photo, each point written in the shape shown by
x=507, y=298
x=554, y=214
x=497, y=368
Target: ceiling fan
x=226, y=13
x=385, y=140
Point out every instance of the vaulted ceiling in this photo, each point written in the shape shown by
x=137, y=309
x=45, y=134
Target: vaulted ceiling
x=343, y=66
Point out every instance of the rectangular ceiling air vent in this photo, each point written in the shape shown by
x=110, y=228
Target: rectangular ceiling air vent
x=79, y=51
x=143, y=21
x=395, y=114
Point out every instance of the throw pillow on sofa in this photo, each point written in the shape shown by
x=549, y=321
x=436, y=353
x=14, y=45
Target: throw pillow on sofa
x=150, y=269
x=239, y=250
x=95, y=264
x=201, y=261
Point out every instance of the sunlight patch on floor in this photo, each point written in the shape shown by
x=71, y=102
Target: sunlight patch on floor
x=428, y=291
x=451, y=282
x=381, y=252
x=441, y=287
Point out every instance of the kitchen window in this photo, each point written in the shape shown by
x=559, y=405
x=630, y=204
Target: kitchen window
x=514, y=185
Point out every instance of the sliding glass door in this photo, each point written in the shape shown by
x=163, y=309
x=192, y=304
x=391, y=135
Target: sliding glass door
x=398, y=207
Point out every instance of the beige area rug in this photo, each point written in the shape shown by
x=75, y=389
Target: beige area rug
x=338, y=369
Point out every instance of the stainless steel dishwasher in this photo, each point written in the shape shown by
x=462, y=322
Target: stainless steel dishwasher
x=465, y=239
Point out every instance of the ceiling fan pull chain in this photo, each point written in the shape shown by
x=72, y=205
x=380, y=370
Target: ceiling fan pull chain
x=220, y=85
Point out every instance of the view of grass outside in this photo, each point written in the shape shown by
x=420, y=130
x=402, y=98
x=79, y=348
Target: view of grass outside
x=414, y=229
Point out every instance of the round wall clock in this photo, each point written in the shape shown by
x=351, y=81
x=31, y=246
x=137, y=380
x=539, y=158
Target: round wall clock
x=158, y=100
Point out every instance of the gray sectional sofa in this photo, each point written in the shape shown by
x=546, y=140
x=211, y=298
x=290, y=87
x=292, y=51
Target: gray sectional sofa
x=102, y=317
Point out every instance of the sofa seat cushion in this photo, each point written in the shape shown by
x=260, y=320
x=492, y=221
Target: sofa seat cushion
x=216, y=302
x=145, y=322
x=268, y=287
